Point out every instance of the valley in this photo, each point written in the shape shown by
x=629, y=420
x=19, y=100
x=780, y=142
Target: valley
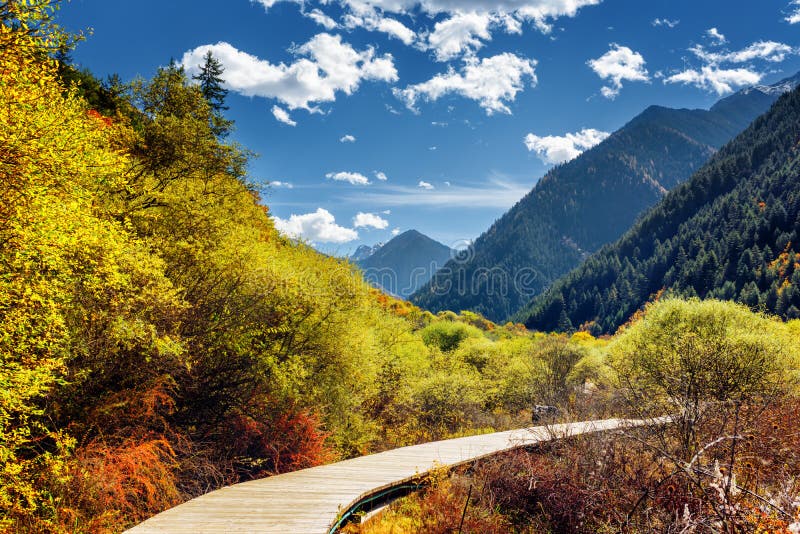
x=180, y=324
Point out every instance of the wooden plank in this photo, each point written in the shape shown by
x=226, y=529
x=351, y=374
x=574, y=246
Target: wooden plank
x=311, y=500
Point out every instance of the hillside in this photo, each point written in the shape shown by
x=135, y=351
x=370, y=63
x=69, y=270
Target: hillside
x=405, y=263
x=159, y=338
x=581, y=205
x=730, y=232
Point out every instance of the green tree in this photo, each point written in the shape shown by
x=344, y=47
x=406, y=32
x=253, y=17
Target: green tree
x=555, y=357
x=692, y=358
x=212, y=87
x=211, y=82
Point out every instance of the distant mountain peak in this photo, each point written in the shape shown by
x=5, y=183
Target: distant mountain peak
x=411, y=232
x=405, y=263
x=749, y=96
x=365, y=251
x=783, y=86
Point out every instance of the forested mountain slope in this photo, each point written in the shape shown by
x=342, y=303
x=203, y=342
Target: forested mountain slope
x=406, y=262
x=730, y=232
x=579, y=206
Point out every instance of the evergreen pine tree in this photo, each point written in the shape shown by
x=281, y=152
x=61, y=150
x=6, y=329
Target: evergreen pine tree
x=564, y=324
x=783, y=302
x=210, y=78
x=211, y=85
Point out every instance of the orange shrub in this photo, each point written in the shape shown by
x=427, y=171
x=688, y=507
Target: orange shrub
x=271, y=439
x=113, y=486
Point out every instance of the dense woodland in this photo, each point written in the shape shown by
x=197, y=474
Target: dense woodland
x=579, y=206
x=731, y=232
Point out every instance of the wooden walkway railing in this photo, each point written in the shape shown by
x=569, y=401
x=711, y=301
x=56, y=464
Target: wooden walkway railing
x=315, y=500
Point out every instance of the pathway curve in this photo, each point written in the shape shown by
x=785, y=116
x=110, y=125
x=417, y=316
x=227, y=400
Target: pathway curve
x=311, y=501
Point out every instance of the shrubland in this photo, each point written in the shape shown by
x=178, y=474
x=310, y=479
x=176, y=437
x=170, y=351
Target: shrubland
x=728, y=462
x=159, y=339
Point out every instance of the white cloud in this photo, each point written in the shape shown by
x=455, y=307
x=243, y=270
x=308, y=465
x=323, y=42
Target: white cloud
x=713, y=75
x=494, y=194
x=619, y=64
x=317, y=227
x=324, y=66
x=354, y=178
x=396, y=231
x=425, y=185
x=713, y=78
x=387, y=212
x=463, y=33
x=541, y=12
x=322, y=19
x=469, y=23
x=492, y=82
x=794, y=16
x=282, y=116
x=536, y=10
x=278, y=183
x=373, y=21
x=395, y=28
x=553, y=149
x=506, y=15
x=770, y=51
x=447, y=184
x=666, y=22
x=369, y=220
x=347, y=139
x=381, y=176
x=511, y=24
x=269, y=3
x=716, y=37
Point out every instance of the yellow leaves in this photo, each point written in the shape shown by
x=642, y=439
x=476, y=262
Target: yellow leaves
x=48, y=145
x=712, y=349
x=70, y=277
x=583, y=337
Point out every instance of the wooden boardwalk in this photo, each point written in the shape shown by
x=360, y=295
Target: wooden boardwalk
x=311, y=501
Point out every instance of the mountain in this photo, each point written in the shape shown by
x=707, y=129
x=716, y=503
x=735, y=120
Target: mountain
x=406, y=262
x=364, y=251
x=730, y=232
x=579, y=206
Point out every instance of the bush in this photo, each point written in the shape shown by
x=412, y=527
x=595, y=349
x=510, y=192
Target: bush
x=447, y=336
x=705, y=350
x=692, y=358
x=611, y=482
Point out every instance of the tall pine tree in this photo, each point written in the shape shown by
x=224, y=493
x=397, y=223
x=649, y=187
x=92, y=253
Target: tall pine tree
x=211, y=85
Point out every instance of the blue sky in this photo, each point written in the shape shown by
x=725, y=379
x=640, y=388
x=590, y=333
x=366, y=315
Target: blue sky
x=377, y=116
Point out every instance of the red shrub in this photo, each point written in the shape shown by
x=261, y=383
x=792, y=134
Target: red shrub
x=113, y=486
x=273, y=439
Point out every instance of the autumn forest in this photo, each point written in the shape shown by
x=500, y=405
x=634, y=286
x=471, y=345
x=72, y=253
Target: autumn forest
x=160, y=339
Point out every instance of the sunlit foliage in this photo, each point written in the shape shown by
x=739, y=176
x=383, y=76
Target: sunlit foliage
x=160, y=339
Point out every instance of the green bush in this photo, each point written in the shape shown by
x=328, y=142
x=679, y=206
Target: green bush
x=447, y=336
x=709, y=350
